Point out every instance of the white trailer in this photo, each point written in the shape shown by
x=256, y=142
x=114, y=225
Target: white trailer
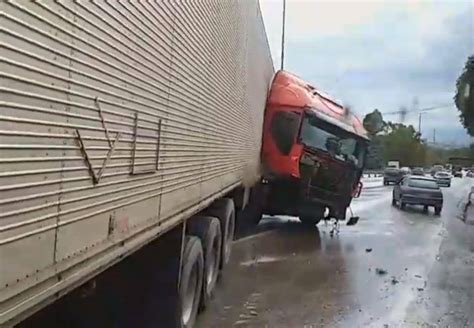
x=126, y=130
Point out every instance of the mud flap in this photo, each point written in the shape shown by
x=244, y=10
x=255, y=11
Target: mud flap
x=353, y=220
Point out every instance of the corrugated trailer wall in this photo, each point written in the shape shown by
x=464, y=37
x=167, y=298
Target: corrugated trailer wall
x=117, y=119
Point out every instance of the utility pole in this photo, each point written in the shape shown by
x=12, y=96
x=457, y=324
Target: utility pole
x=434, y=136
x=419, y=123
x=283, y=36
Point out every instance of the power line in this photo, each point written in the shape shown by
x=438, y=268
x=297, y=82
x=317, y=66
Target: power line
x=426, y=109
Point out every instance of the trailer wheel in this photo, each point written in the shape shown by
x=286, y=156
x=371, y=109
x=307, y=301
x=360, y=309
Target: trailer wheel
x=224, y=210
x=190, y=284
x=209, y=232
x=312, y=216
x=309, y=220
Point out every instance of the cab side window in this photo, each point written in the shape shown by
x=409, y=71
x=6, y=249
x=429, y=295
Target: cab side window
x=284, y=128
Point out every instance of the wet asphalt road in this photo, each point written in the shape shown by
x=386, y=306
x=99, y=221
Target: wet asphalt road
x=285, y=275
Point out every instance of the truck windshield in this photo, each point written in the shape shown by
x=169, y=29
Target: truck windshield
x=316, y=133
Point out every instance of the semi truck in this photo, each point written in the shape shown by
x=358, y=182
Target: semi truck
x=130, y=137
x=313, y=153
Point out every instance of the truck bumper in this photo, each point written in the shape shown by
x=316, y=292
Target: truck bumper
x=288, y=197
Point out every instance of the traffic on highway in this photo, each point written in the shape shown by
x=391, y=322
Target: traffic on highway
x=395, y=268
x=222, y=163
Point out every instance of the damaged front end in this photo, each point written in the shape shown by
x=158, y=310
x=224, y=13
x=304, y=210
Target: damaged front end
x=328, y=183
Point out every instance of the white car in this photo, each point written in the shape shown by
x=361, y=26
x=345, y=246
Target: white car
x=405, y=170
x=443, y=178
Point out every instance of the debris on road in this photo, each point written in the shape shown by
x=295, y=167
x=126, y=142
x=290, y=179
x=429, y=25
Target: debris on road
x=380, y=271
x=394, y=280
x=368, y=250
x=417, y=276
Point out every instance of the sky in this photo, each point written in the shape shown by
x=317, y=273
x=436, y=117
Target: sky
x=380, y=54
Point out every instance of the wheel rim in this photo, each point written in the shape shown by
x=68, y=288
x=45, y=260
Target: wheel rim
x=190, y=295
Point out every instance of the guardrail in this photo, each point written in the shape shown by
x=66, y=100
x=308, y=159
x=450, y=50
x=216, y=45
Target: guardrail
x=373, y=173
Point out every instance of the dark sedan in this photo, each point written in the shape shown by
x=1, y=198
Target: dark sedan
x=417, y=190
x=391, y=175
x=457, y=173
x=418, y=171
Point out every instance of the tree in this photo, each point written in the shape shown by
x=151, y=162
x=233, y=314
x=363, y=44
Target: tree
x=403, y=143
x=464, y=97
x=373, y=122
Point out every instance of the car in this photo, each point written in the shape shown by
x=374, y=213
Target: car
x=391, y=175
x=417, y=190
x=443, y=178
x=457, y=174
x=435, y=169
x=405, y=170
x=418, y=171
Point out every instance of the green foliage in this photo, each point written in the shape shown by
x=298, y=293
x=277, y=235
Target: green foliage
x=373, y=122
x=442, y=155
x=399, y=142
x=464, y=97
x=375, y=159
x=402, y=143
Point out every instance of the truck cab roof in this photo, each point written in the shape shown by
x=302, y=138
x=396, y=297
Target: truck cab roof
x=290, y=90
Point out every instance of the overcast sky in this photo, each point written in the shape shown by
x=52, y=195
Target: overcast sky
x=378, y=54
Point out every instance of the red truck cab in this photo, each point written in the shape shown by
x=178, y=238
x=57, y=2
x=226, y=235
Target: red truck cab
x=313, y=152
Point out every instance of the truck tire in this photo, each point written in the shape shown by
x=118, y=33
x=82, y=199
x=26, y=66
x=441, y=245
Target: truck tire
x=224, y=210
x=208, y=230
x=309, y=220
x=190, y=284
x=438, y=210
